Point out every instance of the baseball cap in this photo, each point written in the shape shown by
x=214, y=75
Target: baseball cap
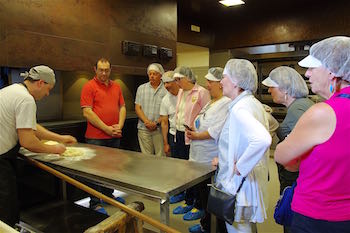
x=269, y=82
x=310, y=62
x=168, y=77
x=41, y=72
x=214, y=74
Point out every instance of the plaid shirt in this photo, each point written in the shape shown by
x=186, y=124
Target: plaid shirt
x=149, y=99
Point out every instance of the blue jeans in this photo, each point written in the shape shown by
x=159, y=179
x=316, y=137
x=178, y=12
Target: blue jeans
x=115, y=143
x=304, y=224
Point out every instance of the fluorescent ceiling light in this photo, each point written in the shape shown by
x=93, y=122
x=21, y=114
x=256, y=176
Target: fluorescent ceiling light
x=231, y=2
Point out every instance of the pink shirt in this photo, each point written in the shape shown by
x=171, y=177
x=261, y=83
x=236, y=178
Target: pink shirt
x=195, y=101
x=323, y=186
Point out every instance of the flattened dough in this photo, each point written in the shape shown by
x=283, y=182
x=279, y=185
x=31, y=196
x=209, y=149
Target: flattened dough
x=73, y=152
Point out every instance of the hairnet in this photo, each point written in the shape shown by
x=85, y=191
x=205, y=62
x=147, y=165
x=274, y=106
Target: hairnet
x=155, y=67
x=334, y=53
x=214, y=74
x=289, y=80
x=185, y=71
x=242, y=73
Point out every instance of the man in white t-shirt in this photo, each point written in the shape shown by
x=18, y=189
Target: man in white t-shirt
x=19, y=128
x=167, y=112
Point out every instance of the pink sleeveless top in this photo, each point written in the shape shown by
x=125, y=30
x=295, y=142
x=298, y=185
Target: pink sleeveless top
x=323, y=186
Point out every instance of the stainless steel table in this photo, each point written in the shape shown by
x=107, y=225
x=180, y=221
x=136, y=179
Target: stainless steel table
x=154, y=177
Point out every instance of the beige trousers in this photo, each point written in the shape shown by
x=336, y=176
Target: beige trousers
x=151, y=142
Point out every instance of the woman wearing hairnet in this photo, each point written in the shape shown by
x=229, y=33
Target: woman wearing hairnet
x=243, y=147
x=190, y=100
x=287, y=87
x=203, y=148
x=319, y=143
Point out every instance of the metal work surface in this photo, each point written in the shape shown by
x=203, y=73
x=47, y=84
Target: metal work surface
x=158, y=177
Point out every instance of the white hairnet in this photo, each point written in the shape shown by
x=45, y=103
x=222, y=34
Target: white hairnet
x=185, y=71
x=289, y=80
x=155, y=67
x=334, y=53
x=243, y=73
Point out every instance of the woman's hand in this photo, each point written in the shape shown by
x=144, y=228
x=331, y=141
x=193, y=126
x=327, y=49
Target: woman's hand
x=215, y=161
x=235, y=170
x=191, y=134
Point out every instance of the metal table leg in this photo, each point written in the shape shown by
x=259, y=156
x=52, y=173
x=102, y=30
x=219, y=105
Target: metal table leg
x=164, y=211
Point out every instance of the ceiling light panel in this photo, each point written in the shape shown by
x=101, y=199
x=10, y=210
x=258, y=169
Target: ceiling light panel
x=231, y=2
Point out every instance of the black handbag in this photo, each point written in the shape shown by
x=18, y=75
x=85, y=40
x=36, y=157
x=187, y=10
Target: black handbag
x=222, y=204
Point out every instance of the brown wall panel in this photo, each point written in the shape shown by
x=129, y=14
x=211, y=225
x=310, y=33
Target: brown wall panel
x=155, y=17
x=281, y=27
x=204, y=38
x=59, y=53
x=72, y=35
x=84, y=20
x=3, y=47
x=261, y=22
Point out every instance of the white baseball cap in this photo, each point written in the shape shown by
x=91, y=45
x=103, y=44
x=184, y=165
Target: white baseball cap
x=168, y=77
x=178, y=75
x=269, y=82
x=214, y=74
x=310, y=62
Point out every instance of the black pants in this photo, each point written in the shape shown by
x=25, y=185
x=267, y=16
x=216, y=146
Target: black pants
x=304, y=224
x=286, y=177
x=115, y=143
x=203, y=190
x=9, y=208
x=172, y=145
x=182, y=151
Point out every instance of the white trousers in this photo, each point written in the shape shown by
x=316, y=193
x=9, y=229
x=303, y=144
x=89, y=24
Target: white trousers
x=241, y=227
x=151, y=142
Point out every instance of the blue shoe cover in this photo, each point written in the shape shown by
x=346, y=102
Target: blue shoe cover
x=194, y=214
x=182, y=209
x=196, y=229
x=177, y=198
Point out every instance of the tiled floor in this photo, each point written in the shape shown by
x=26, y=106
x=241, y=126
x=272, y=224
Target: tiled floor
x=152, y=208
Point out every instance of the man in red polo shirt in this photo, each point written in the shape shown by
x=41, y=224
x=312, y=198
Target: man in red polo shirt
x=104, y=109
